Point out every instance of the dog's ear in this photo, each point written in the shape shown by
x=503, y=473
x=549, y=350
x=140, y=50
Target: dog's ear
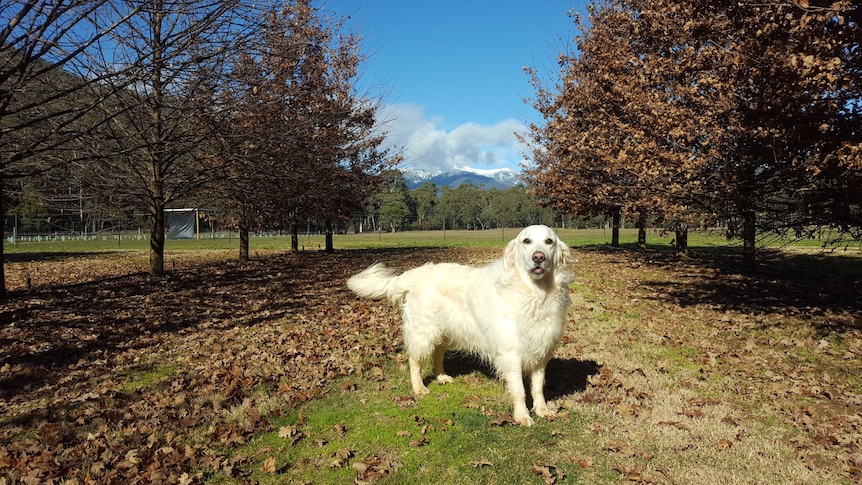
x=565, y=255
x=509, y=253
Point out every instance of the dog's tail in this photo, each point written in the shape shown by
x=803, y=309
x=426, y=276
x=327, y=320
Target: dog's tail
x=377, y=282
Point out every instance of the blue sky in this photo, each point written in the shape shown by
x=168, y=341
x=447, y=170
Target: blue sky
x=453, y=73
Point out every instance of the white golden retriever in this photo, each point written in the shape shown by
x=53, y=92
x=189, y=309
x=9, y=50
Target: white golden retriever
x=510, y=312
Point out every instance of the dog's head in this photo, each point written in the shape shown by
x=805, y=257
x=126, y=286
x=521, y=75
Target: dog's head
x=536, y=252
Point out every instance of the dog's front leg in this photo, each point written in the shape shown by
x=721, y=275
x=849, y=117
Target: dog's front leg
x=510, y=367
x=537, y=389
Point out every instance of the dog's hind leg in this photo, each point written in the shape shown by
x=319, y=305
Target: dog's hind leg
x=418, y=346
x=416, y=377
x=439, y=372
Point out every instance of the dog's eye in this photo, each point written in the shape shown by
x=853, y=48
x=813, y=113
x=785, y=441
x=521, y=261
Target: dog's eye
x=549, y=241
x=527, y=241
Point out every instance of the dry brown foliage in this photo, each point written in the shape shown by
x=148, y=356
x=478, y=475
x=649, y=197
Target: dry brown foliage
x=224, y=329
x=740, y=112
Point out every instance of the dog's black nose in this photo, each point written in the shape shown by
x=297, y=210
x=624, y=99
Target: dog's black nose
x=538, y=257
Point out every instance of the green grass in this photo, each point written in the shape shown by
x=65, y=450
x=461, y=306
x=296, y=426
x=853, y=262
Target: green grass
x=445, y=437
x=656, y=238
x=148, y=378
x=489, y=238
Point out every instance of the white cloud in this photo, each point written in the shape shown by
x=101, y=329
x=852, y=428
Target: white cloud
x=426, y=146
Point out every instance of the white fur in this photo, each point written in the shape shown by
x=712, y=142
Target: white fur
x=510, y=312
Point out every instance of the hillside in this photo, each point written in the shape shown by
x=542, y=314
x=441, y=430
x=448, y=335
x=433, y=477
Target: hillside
x=487, y=179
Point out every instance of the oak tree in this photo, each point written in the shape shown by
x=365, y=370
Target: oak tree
x=304, y=141
x=744, y=114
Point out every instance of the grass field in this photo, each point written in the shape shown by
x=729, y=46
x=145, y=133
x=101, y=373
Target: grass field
x=656, y=238
x=671, y=371
x=229, y=241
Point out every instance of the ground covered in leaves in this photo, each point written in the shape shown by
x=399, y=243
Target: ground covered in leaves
x=672, y=371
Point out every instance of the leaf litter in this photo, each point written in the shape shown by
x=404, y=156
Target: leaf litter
x=123, y=378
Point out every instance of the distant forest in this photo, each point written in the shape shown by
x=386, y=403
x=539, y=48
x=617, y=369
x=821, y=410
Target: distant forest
x=42, y=206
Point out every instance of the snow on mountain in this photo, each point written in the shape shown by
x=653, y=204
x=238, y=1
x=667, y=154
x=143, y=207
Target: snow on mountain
x=500, y=178
x=417, y=177
x=504, y=176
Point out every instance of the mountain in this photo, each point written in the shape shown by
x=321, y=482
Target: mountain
x=499, y=179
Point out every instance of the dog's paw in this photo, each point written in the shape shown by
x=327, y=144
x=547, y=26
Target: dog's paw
x=445, y=379
x=544, y=411
x=523, y=420
x=421, y=391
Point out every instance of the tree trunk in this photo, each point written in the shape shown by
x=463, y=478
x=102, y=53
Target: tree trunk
x=157, y=238
x=681, y=240
x=749, y=236
x=294, y=236
x=642, y=233
x=328, y=228
x=615, y=231
x=2, y=241
x=243, y=240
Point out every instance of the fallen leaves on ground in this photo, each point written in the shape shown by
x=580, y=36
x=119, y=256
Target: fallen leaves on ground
x=125, y=378
x=373, y=468
x=550, y=473
x=769, y=344
x=196, y=345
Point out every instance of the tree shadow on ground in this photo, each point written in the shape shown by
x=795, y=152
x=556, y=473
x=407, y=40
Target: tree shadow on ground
x=824, y=288
x=50, y=333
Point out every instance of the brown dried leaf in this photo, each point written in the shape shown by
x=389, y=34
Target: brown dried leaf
x=471, y=402
x=627, y=411
x=550, y=473
x=404, y=402
x=502, y=420
x=675, y=424
x=348, y=386
x=422, y=441
x=268, y=465
x=630, y=472
x=728, y=420
x=693, y=413
x=340, y=457
x=288, y=431
x=621, y=448
x=373, y=468
x=703, y=401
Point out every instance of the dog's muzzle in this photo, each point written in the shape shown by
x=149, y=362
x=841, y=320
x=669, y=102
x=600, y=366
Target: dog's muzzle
x=539, y=260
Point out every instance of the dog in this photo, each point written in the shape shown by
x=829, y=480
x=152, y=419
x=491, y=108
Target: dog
x=511, y=312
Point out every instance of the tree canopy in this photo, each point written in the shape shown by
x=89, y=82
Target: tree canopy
x=223, y=104
x=47, y=91
x=740, y=114
x=301, y=140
